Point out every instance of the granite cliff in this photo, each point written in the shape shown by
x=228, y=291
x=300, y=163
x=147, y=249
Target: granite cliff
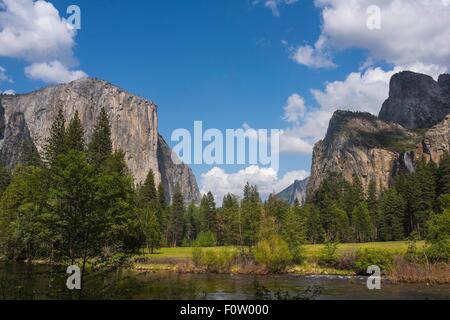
x=414, y=125
x=296, y=191
x=25, y=121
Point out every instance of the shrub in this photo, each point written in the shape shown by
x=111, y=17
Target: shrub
x=213, y=261
x=329, y=256
x=439, y=238
x=274, y=254
x=372, y=257
x=205, y=239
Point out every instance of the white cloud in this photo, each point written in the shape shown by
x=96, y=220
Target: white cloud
x=8, y=92
x=274, y=5
x=360, y=91
x=53, y=72
x=314, y=57
x=411, y=31
x=220, y=183
x=34, y=31
x=294, y=109
x=3, y=75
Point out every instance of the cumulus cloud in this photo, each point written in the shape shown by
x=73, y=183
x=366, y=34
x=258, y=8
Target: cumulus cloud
x=220, y=183
x=53, y=72
x=274, y=5
x=8, y=92
x=360, y=91
x=411, y=31
x=294, y=109
x=314, y=57
x=34, y=31
x=3, y=76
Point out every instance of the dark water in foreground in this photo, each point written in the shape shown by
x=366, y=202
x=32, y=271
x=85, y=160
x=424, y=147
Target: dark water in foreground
x=18, y=281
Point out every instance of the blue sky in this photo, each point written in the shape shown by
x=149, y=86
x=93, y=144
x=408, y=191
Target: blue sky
x=233, y=62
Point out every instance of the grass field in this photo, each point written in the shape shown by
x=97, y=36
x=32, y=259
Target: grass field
x=310, y=250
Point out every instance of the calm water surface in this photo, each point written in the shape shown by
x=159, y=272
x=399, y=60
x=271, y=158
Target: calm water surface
x=19, y=281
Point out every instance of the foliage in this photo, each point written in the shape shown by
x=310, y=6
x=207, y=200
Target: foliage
x=205, y=239
x=329, y=256
x=274, y=254
x=212, y=260
x=372, y=257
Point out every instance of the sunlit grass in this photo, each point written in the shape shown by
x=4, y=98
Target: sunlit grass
x=185, y=253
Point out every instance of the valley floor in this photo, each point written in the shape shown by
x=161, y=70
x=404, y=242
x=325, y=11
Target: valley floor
x=180, y=260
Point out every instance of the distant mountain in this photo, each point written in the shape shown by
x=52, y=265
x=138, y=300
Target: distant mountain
x=295, y=191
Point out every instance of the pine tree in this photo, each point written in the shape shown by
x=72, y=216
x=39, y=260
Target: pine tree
x=361, y=223
x=75, y=134
x=443, y=175
x=175, y=228
x=147, y=194
x=372, y=202
x=100, y=147
x=392, y=212
x=251, y=212
x=5, y=179
x=315, y=231
x=231, y=219
x=56, y=142
x=294, y=231
x=208, y=213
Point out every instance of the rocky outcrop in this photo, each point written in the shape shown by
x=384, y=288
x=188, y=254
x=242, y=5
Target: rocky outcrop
x=416, y=100
x=361, y=145
x=134, y=127
x=173, y=173
x=296, y=191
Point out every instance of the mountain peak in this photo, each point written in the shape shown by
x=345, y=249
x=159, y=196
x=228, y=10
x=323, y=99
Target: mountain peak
x=417, y=100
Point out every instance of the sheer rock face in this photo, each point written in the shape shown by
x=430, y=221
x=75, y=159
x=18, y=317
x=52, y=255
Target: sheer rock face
x=416, y=100
x=360, y=144
x=296, y=191
x=134, y=125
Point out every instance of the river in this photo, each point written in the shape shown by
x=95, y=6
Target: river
x=20, y=281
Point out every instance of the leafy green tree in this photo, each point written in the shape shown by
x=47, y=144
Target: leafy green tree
x=25, y=231
x=75, y=134
x=392, y=211
x=150, y=227
x=100, y=147
x=175, y=227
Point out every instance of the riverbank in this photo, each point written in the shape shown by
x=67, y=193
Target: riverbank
x=180, y=260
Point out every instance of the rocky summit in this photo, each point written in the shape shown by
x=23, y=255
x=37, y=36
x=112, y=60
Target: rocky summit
x=416, y=100
x=414, y=125
x=296, y=191
x=25, y=122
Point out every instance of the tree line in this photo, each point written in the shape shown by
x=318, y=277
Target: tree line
x=79, y=202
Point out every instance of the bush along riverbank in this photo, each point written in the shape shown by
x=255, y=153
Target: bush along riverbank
x=400, y=262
